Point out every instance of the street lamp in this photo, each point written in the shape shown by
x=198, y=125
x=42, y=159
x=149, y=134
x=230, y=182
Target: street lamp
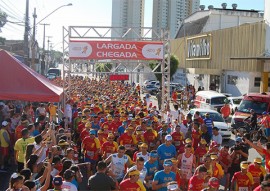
x=70, y=4
x=43, y=54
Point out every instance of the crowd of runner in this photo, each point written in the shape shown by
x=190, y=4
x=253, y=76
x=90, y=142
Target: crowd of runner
x=122, y=141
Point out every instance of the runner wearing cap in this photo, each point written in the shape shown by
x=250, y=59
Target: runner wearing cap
x=162, y=177
x=257, y=171
x=196, y=182
x=166, y=150
x=91, y=149
x=128, y=140
x=217, y=168
x=132, y=183
x=139, y=165
x=109, y=147
x=178, y=139
x=196, y=135
x=242, y=180
x=200, y=152
x=4, y=144
x=173, y=186
x=150, y=137
x=152, y=167
x=213, y=185
x=143, y=152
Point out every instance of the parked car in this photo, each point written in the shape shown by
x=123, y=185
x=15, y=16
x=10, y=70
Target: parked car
x=218, y=120
x=151, y=89
x=147, y=82
x=234, y=103
x=51, y=76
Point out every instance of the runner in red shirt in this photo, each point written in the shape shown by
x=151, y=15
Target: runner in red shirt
x=132, y=183
x=178, y=140
x=109, y=147
x=196, y=135
x=257, y=171
x=196, y=182
x=225, y=161
x=150, y=137
x=200, y=152
x=85, y=132
x=242, y=180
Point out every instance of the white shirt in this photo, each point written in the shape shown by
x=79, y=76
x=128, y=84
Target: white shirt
x=68, y=186
x=42, y=155
x=143, y=172
x=118, y=165
x=217, y=138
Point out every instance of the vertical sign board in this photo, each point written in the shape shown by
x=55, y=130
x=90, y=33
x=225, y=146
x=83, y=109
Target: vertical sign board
x=119, y=77
x=125, y=50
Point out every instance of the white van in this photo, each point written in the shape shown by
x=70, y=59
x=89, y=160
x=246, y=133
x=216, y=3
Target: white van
x=209, y=100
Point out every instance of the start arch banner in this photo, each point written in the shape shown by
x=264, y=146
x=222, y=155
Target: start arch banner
x=125, y=50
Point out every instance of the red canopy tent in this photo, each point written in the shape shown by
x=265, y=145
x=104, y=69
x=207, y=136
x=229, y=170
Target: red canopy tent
x=19, y=82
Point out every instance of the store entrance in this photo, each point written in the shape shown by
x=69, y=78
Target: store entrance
x=214, y=82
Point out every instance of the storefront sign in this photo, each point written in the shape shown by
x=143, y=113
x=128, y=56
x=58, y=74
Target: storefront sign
x=199, y=48
x=119, y=77
x=127, y=50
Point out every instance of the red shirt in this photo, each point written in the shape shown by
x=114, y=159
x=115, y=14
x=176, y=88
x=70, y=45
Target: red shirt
x=196, y=137
x=256, y=173
x=195, y=183
x=109, y=148
x=81, y=127
x=126, y=140
x=150, y=137
x=111, y=126
x=178, y=139
x=18, y=132
x=200, y=152
x=257, y=188
x=225, y=111
x=224, y=157
x=126, y=185
x=84, y=134
x=242, y=180
x=90, y=146
x=267, y=158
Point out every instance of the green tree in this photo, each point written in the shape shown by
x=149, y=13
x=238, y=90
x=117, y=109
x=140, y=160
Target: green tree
x=174, y=63
x=3, y=18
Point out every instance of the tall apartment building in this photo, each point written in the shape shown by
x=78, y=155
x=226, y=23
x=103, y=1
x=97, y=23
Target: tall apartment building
x=127, y=14
x=168, y=14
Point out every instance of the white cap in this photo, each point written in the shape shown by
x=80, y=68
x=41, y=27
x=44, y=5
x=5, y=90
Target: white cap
x=4, y=123
x=172, y=187
x=168, y=138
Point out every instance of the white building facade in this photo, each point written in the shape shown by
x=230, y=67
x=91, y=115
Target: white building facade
x=127, y=14
x=168, y=14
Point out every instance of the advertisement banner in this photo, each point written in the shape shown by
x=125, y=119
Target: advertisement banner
x=119, y=77
x=125, y=50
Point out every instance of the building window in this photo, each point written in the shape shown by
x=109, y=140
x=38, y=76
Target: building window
x=232, y=80
x=257, y=81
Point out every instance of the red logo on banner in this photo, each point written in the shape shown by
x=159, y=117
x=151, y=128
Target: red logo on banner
x=128, y=50
x=119, y=77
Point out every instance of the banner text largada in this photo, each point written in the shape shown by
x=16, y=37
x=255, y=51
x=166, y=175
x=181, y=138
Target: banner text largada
x=116, y=50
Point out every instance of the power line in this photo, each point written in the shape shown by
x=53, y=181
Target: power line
x=15, y=7
x=11, y=12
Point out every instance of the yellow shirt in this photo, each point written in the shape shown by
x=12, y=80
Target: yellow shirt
x=3, y=142
x=52, y=109
x=20, y=147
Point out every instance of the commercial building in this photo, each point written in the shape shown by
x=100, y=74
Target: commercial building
x=127, y=14
x=224, y=50
x=169, y=14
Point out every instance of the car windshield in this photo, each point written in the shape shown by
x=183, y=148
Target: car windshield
x=237, y=101
x=214, y=116
x=150, y=86
x=217, y=100
x=258, y=107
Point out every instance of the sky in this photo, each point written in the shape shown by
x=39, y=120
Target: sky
x=81, y=13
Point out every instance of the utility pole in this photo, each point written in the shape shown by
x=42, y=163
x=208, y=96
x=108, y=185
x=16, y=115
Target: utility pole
x=48, y=53
x=26, y=30
x=43, y=52
x=33, y=59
